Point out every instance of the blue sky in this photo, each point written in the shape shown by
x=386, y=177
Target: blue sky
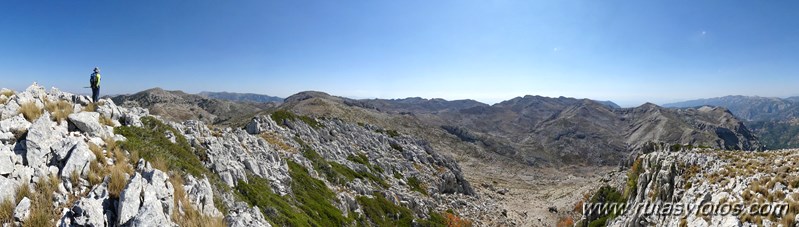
x=629, y=52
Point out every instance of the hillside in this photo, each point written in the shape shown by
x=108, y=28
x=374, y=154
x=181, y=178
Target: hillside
x=180, y=106
x=241, y=97
x=774, y=120
x=539, y=130
x=65, y=161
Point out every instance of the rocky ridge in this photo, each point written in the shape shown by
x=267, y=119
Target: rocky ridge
x=84, y=164
x=704, y=177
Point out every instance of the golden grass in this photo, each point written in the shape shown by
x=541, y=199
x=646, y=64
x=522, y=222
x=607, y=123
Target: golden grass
x=106, y=121
x=7, y=93
x=91, y=107
x=30, y=111
x=22, y=191
x=118, y=181
x=159, y=164
x=274, y=139
x=191, y=216
x=74, y=178
x=98, y=152
x=96, y=173
x=7, y=211
x=42, y=212
x=4, y=100
x=59, y=111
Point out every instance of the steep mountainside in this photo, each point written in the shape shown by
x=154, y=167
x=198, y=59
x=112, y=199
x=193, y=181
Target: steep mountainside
x=774, y=120
x=65, y=161
x=179, y=106
x=241, y=97
x=544, y=131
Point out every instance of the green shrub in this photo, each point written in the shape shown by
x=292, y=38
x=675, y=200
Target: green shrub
x=151, y=143
x=311, y=204
x=416, y=185
x=280, y=116
x=392, y=133
x=396, y=146
x=381, y=212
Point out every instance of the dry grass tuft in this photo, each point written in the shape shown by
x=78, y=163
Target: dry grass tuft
x=119, y=179
x=30, y=111
x=274, y=139
x=59, y=111
x=91, y=107
x=106, y=121
x=98, y=152
x=96, y=173
x=42, y=212
x=7, y=211
x=160, y=164
x=7, y=93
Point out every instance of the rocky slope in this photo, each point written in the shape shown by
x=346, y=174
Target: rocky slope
x=180, y=106
x=698, y=184
x=542, y=131
x=87, y=164
x=774, y=120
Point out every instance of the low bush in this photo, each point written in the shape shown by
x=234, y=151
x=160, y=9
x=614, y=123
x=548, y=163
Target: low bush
x=417, y=185
x=281, y=116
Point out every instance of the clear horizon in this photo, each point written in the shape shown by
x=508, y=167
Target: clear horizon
x=626, y=52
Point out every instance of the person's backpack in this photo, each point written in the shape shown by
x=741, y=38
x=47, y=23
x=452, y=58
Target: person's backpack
x=93, y=80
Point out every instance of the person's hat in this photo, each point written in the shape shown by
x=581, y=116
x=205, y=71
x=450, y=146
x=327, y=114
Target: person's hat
x=96, y=69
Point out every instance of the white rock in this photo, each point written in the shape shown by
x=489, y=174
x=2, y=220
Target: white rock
x=88, y=212
x=7, y=188
x=23, y=209
x=6, y=160
x=79, y=158
x=16, y=123
x=130, y=199
x=88, y=122
x=41, y=136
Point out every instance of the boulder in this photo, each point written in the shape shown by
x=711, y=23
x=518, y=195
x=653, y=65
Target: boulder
x=88, y=122
x=23, y=209
x=15, y=124
x=79, y=158
x=10, y=110
x=148, y=199
x=201, y=196
x=7, y=188
x=243, y=216
x=130, y=199
x=88, y=212
x=6, y=160
x=41, y=136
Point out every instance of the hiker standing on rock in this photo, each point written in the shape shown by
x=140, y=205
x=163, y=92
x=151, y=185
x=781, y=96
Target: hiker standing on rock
x=94, y=81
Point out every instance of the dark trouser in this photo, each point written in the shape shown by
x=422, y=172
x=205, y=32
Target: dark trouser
x=95, y=93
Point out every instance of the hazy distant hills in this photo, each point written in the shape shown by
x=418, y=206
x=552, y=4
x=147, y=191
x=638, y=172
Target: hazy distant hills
x=241, y=97
x=750, y=108
x=538, y=130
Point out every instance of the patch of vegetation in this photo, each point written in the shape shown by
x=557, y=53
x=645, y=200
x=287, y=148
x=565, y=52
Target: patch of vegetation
x=91, y=107
x=7, y=93
x=605, y=195
x=392, y=133
x=381, y=212
x=7, y=211
x=30, y=111
x=416, y=185
x=119, y=178
x=59, y=111
x=398, y=175
x=336, y=172
x=396, y=146
x=281, y=116
x=632, y=178
x=274, y=139
x=151, y=143
x=363, y=160
x=106, y=121
x=42, y=212
x=311, y=204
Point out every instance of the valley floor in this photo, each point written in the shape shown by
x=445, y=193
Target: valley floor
x=527, y=193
